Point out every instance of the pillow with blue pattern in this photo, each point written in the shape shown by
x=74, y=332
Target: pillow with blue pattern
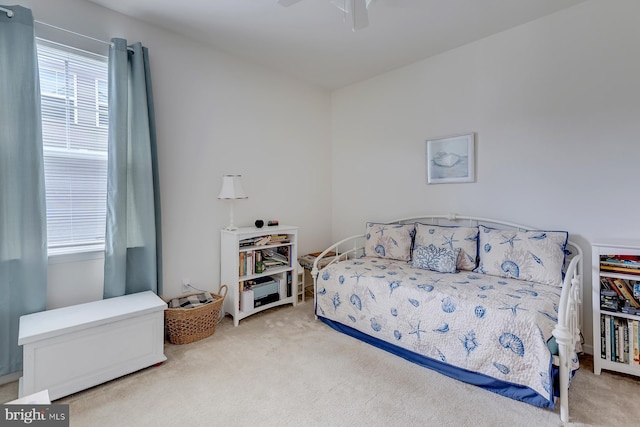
x=392, y=241
x=531, y=255
x=442, y=260
x=451, y=237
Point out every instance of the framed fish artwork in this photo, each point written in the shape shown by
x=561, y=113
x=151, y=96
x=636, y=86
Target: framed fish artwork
x=451, y=159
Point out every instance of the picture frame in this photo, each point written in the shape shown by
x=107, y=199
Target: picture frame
x=451, y=159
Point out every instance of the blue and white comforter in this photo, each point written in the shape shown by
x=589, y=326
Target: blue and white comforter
x=486, y=324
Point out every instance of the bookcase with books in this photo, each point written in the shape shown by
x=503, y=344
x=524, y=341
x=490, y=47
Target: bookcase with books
x=616, y=306
x=259, y=266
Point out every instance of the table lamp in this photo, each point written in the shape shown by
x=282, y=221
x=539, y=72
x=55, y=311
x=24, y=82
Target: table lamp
x=231, y=190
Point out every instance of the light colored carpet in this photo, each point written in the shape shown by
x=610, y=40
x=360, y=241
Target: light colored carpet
x=284, y=368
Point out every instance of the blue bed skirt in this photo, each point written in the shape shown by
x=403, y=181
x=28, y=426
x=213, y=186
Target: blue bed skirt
x=512, y=391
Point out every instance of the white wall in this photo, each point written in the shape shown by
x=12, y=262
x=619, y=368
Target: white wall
x=215, y=114
x=554, y=104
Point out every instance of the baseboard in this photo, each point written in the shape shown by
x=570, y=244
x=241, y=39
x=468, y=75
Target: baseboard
x=587, y=348
x=9, y=378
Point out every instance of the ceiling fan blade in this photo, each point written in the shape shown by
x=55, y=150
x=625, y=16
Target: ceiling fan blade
x=287, y=3
x=359, y=14
x=342, y=5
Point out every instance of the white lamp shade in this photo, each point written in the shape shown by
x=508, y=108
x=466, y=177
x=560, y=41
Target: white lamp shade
x=231, y=188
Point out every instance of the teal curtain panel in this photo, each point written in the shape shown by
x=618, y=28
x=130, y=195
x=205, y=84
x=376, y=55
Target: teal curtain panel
x=133, y=237
x=23, y=232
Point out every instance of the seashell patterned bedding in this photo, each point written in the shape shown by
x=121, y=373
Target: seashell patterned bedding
x=495, y=307
x=493, y=326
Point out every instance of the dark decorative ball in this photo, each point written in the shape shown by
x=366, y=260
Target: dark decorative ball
x=259, y=223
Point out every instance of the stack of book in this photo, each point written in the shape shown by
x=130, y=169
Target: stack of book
x=609, y=299
x=620, y=295
x=274, y=259
x=279, y=238
x=250, y=242
x=623, y=264
x=269, y=239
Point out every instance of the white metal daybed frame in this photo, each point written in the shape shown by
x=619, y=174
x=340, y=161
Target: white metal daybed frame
x=566, y=331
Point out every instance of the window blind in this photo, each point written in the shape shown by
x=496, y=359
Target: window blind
x=75, y=119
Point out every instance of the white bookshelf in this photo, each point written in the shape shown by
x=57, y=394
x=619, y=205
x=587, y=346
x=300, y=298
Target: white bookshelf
x=604, y=320
x=237, y=267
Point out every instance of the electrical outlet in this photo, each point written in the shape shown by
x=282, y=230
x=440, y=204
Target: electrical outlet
x=186, y=285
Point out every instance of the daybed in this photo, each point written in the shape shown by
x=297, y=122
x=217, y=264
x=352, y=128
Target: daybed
x=488, y=302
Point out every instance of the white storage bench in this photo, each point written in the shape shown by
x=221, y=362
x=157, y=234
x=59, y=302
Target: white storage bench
x=73, y=348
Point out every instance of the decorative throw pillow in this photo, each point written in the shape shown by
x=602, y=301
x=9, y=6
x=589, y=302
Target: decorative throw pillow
x=443, y=260
x=391, y=241
x=453, y=237
x=535, y=255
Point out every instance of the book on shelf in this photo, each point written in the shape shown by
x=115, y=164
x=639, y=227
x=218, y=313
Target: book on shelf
x=608, y=320
x=603, y=337
x=249, y=242
x=610, y=306
x=625, y=291
x=636, y=340
x=620, y=339
x=284, y=253
x=624, y=338
x=627, y=309
x=635, y=286
x=628, y=341
x=630, y=285
x=631, y=260
x=623, y=264
x=264, y=240
x=271, y=265
x=614, y=339
x=620, y=270
x=609, y=298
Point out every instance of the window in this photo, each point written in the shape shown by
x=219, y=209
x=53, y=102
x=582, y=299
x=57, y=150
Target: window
x=102, y=106
x=75, y=121
x=58, y=90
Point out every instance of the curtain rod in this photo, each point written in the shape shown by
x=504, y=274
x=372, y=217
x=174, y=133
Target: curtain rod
x=71, y=32
x=10, y=14
x=77, y=34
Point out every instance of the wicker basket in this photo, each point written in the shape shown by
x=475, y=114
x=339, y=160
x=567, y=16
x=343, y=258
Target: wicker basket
x=187, y=325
